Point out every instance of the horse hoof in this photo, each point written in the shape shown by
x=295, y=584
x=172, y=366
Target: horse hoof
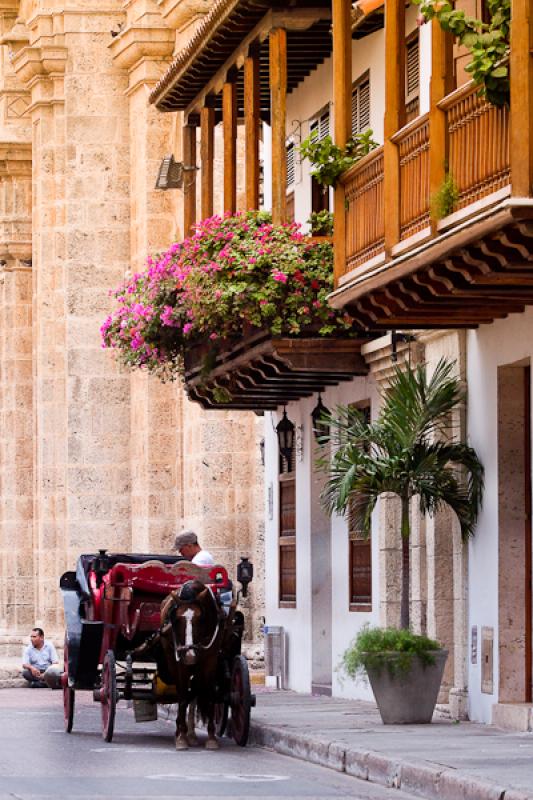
x=211, y=744
x=193, y=741
x=181, y=743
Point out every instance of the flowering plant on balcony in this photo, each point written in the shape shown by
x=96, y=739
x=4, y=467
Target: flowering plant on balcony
x=235, y=273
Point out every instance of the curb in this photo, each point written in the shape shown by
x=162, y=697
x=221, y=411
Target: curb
x=420, y=780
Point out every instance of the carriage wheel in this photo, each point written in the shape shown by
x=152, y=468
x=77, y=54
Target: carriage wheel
x=108, y=695
x=221, y=717
x=68, y=692
x=240, y=701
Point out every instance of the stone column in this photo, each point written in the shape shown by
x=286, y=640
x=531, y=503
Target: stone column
x=143, y=48
x=16, y=429
x=447, y=564
x=80, y=250
x=379, y=356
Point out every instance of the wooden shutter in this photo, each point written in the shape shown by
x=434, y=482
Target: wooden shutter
x=360, y=556
x=287, y=539
x=361, y=104
x=319, y=127
x=360, y=572
x=412, y=77
x=290, y=163
x=291, y=211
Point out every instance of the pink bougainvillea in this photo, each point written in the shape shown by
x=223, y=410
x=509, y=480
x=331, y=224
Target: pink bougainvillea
x=233, y=273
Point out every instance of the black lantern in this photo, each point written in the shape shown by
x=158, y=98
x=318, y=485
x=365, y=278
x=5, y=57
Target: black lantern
x=285, y=431
x=320, y=428
x=245, y=573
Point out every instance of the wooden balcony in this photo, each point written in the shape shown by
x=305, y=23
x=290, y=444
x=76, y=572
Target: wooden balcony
x=260, y=373
x=478, y=160
x=471, y=267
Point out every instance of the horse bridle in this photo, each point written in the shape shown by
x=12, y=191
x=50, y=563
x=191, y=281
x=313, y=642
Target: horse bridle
x=179, y=649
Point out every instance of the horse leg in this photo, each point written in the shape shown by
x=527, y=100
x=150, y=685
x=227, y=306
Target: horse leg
x=211, y=743
x=181, y=728
x=191, y=733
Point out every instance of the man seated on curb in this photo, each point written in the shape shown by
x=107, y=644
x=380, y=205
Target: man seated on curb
x=187, y=546
x=40, y=664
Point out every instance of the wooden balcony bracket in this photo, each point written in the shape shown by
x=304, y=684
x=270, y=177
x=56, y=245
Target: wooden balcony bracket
x=468, y=276
x=262, y=373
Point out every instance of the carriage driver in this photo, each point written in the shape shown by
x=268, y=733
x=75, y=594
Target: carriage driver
x=40, y=664
x=187, y=546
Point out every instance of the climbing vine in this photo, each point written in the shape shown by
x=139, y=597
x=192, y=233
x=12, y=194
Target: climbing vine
x=488, y=42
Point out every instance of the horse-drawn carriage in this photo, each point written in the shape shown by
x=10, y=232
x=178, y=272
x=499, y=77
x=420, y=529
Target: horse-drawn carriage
x=155, y=629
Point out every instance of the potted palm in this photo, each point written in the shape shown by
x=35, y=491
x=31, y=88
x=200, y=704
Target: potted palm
x=406, y=451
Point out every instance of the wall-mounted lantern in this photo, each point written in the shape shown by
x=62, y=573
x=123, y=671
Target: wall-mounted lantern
x=171, y=173
x=320, y=428
x=285, y=431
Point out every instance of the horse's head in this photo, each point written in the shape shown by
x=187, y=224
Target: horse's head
x=195, y=621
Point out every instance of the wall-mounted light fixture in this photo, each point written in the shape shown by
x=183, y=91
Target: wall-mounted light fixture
x=320, y=428
x=285, y=431
x=171, y=173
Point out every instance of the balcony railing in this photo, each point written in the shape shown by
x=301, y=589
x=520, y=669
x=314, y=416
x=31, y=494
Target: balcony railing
x=478, y=162
x=478, y=144
x=413, y=144
x=364, y=197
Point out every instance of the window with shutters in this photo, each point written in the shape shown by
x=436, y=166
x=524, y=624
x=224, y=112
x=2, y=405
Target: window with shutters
x=360, y=555
x=361, y=104
x=287, y=533
x=412, y=77
x=291, y=174
x=319, y=126
x=318, y=129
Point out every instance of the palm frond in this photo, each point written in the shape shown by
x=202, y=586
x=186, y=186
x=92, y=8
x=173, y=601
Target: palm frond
x=449, y=474
x=416, y=408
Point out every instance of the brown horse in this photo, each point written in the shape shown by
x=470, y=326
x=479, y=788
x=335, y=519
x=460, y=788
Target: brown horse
x=192, y=628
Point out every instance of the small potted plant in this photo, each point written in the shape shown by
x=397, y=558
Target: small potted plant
x=404, y=669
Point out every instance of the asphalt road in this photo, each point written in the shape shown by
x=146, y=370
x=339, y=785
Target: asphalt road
x=39, y=760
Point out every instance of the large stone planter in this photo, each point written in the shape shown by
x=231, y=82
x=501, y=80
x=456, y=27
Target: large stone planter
x=408, y=697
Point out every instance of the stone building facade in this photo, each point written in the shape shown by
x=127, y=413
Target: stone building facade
x=90, y=455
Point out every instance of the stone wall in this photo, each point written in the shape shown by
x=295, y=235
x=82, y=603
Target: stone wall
x=91, y=455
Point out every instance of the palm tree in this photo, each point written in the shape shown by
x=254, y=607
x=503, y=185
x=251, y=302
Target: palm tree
x=403, y=452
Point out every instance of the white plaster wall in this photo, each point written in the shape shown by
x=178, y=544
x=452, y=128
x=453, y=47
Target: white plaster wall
x=504, y=342
x=298, y=622
x=316, y=91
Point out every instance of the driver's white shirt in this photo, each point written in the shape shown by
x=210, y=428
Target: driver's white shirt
x=203, y=559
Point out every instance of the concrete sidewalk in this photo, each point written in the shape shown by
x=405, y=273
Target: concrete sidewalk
x=441, y=761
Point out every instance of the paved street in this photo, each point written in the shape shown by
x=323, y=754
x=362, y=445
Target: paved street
x=38, y=760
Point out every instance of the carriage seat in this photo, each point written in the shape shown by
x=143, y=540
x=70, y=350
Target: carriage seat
x=155, y=577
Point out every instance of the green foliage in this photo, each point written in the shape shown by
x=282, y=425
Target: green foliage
x=321, y=223
x=487, y=42
x=377, y=648
x=329, y=160
x=406, y=451
x=445, y=200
